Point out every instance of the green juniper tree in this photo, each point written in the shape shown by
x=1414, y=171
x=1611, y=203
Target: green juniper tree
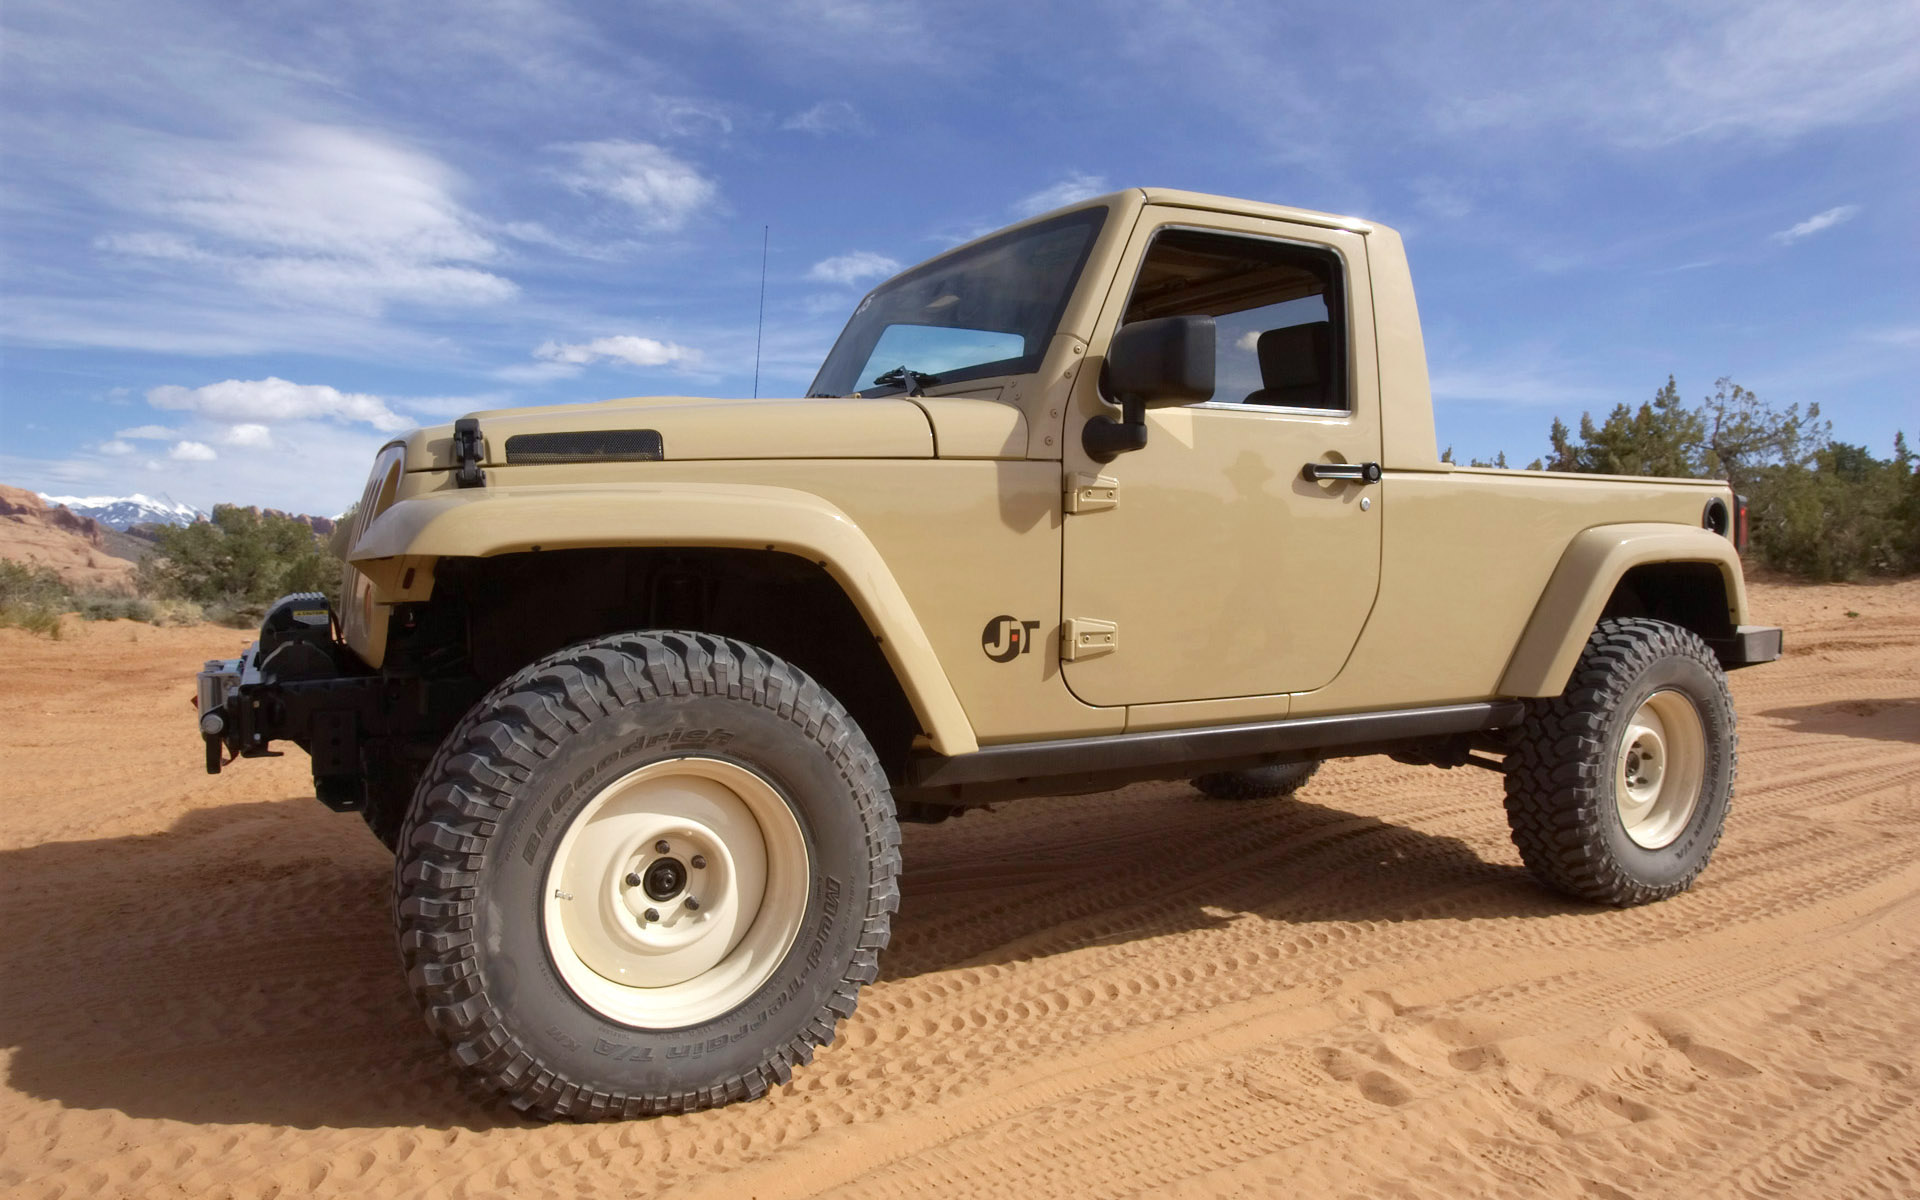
x=1817, y=508
x=240, y=561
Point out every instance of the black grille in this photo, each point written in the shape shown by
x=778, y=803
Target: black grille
x=591, y=445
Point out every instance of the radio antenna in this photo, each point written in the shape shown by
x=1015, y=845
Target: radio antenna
x=761, y=325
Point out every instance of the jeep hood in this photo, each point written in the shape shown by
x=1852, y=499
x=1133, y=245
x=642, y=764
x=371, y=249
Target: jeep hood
x=688, y=428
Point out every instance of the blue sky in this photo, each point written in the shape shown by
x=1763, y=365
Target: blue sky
x=243, y=242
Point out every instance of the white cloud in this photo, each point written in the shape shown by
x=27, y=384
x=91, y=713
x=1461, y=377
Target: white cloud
x=117, y=447
x=844, y=36
x=1781, y=69
x=445, y=408
x=692, y=118
x=328, y=191
x=368, y=285
x=852, y=268
x=1817, y=223
x=192, y=452
x=1635, y=73
x=661, y=189
x=1445, y=199
x=828, y=116
x=1076, y=186
x=165, y=247
x=149, y=433
x=536, y=372
x=309, y=215
x=1531, y=386
x=247, y=435
x=1250, y=340
x=274, y=399
x=565, y=358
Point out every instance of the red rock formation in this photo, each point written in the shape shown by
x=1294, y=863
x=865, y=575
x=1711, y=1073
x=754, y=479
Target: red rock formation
x=56, y=537
x=322, y=526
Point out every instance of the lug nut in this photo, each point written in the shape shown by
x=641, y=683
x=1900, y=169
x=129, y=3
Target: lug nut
x=661, y=846
x=693, y=903
x=652, y=914
x=633, y=879
x=699, y=862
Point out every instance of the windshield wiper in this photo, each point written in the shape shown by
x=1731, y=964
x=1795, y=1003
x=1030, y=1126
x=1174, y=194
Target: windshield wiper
x=914, y=381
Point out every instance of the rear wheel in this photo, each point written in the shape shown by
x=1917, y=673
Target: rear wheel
x=1618, y=789
x=1256, y=783
x=647, y=874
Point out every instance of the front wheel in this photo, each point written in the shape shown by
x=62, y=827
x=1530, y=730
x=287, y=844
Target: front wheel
x=1618, y=789
x=648, y=873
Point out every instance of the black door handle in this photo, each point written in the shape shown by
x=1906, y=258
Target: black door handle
x=1358, y=472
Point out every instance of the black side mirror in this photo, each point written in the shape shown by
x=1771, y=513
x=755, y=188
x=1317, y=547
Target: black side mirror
x=1151, y=364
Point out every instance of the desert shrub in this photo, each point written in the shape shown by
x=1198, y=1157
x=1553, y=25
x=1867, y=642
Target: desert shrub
x=34, y=620
x=27, y=584
x=32, y=598
x=114, y=606
x=235, y=614
x=176, y=612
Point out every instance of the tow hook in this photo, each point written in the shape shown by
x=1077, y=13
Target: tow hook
x=212, y=728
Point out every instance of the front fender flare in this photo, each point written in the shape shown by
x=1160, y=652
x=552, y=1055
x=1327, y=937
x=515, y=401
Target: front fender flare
x=482, y=522
x=1589, y=570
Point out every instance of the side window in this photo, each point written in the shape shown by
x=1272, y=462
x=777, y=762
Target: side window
x=1278, y=308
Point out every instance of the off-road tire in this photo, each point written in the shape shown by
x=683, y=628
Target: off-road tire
x=1562, y=775
x=491, y=813
x=1257, y=783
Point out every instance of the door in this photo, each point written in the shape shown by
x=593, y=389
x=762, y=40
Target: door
x=1221, y=568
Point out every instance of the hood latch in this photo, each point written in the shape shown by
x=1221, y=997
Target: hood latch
x=468, y=450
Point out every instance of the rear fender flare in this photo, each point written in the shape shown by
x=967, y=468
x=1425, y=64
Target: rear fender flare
x=1589, y=571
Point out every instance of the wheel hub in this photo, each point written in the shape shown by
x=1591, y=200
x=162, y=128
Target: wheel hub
x=665, y=879
x=675, y=892
x=1661, y=767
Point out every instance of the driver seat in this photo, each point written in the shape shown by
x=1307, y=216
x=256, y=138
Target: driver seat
x=1295, y=366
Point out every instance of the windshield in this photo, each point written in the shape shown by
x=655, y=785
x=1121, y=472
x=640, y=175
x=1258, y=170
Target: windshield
x=987, y=311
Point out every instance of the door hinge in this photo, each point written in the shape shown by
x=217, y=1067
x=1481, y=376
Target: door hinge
x=1091, y=493
x=1084, y=637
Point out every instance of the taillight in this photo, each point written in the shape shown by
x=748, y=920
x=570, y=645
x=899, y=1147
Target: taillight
x=1740, y=524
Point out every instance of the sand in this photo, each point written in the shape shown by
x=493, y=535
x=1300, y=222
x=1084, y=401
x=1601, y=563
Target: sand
x=1357, y=993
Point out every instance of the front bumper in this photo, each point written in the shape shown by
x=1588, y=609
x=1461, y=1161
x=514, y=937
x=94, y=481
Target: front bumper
x=300, y=684
x=246, y=707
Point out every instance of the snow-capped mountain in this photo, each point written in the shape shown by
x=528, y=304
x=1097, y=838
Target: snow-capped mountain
x=120, y=512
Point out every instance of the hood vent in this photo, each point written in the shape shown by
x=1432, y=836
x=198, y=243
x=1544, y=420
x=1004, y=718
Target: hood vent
x=585, y=446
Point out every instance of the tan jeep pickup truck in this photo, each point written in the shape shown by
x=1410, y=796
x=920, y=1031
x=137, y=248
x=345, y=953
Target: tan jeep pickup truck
x=1144, y=488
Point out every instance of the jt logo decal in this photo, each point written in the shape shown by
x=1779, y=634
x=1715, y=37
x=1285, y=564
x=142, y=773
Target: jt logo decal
x=1007, y=638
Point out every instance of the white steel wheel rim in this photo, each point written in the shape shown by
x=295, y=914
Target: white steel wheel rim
x=743, y=860
x=1660, y=768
